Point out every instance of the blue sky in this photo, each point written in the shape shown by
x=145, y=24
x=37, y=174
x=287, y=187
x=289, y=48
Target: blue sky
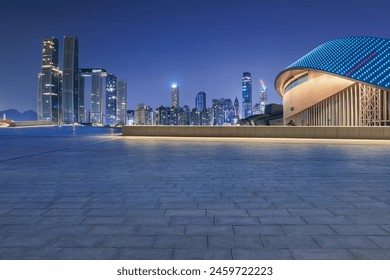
x=202, y=45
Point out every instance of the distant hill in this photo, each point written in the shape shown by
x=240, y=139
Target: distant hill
x=15, y=115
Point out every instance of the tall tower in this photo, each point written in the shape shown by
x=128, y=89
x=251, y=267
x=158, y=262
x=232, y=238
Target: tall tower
x=49, y=83
x=121, y=102
x=262, y=97
x=70, y=94
x=237, y=108
x=175, y=96
x=246, y=94
x=98, y=75
x=200, y=101
x=111, y=95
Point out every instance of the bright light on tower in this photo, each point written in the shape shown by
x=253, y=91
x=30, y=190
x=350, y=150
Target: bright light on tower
x=174, y=85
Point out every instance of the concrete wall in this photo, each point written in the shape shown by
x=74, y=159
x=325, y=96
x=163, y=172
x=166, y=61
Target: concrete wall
x=260, y=131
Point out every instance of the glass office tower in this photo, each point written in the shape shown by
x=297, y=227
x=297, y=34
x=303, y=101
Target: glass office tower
x=49, y=83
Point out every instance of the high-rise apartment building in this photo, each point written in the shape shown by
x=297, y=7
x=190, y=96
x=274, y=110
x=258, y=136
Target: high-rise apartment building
x=70, y=94
x=111, y=95
x=121, y=102
x=175, y=96
x=49, y=83
x=246, y=94
x=200, y=101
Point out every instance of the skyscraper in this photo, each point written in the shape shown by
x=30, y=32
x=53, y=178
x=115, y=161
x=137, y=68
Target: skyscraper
x=97, y=95
x=70, y=94
x=121, y=102
x=237, y=108
x=111, y=95
x=175, y=96
x=246, y=94
x=262, y=97
x=200, y=101
x=49, y=87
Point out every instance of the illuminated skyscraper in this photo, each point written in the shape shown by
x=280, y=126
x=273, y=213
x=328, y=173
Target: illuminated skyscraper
x=49, y=88
x=121, y=102
x=70, y=94
x=111, y=95
x=237, y=108
x=175, y=96
x=246, y=95
x=200, y=101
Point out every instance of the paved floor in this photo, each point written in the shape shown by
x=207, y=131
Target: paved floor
x=113, y=197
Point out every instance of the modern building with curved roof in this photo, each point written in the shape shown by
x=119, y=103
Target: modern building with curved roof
x=343, y=82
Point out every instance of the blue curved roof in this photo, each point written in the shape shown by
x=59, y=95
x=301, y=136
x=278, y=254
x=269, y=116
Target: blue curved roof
x=366, y=59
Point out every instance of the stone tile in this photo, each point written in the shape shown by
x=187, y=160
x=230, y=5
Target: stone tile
x=144, y=212
x=191, y=220
x=281, y=220
x=202, y=254
x=370, y=219
x=160, y=230
x=179, y=241
x=371, y=254
x=358, y=230
x=25, y=253
x=293, y=205
x=19, y=220
x=112, y=230
x=208, y=230
x=289, y=242
x=78, y=241
x=254, y=205
x=131, y=241
x=21, y=241
x=308, y=230
x=60, y=220
x=240, y=242
x=261, y=254
x=179, y=205
x=322, y=254
x=260, y=230
x=211, y=205
x=185, y=212
x=326, y=220
x=86, y=254
x=227, y=212
x=106, y=212
x=344, y=242
x=156, y=221
x=104, y=220
x=310, y=212
x=226, y=221
x=381, y=241
x=377, y=204
x=143, y=254
x=269, y=212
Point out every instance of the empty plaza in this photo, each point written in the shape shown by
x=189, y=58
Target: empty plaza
x=74, y=195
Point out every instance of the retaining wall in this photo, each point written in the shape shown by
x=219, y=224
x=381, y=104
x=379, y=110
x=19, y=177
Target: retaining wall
x=260, y=131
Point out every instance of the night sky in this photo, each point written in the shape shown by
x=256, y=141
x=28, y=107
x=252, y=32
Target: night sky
x=202, y=45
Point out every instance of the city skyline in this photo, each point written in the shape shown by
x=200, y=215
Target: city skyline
x=199, y=45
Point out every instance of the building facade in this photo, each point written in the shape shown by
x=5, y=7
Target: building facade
x=344, y=82
x=70, y=92
x=49, y=83
x=246, y=83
